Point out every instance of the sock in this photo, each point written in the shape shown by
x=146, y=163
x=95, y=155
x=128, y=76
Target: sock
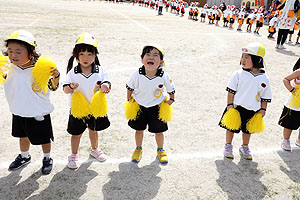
x=47, y=155
x=25, y=154
x=139, y=148
x=160, y=149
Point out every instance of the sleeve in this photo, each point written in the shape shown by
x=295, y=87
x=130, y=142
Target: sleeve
x=68, y=80
x=132, y=83
x=104, y=77
x=266, y=94
x=169, y=84
x=51, y=85
x=233, y=83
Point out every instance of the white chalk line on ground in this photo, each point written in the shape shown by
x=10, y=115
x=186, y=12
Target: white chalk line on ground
x=172, y=157
x=132, y=20
x=37, y=20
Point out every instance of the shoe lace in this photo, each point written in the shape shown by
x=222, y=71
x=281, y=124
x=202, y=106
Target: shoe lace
x=247, y=150
x=98, y=152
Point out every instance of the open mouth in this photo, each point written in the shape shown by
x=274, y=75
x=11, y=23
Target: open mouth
x=150, y=63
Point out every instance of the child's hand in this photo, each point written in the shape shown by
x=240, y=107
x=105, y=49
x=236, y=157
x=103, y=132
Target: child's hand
x=262, y=112
x=105, y=88
x=55, y=73
x=230, y=106
x=169, y=102
x=74, y=85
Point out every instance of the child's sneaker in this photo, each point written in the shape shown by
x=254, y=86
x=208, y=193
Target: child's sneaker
x=245, y=152
x=137, y=155
x=297, y=142
x=19, y=162
x=47, y=165
x=99, y=155
x=162, y=156
x=277, y=46
x=286, y=145
x=228, y=151
x=72, y=161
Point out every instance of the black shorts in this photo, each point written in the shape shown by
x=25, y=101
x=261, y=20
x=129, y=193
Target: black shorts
x=225, y=20
x=231, y=21
x=291, y=31
x=218, y=18
x=298, y=33
x=77, y=126
x=148, y=116
x=259, y=24
x=38, y=132
x=203, y=15
x=246, y=115
x=248, y=21
x=289, y=119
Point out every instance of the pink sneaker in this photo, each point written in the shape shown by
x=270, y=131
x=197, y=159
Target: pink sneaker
x=72, y=161
x=99, y=155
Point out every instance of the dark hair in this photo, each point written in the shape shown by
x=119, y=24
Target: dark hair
x=257, y=61
x=147, y=49
x=81, y=48
x=30, y=49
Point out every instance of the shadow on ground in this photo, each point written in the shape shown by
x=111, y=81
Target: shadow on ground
x=240, y=181
x=291, y=159
x=132, y=182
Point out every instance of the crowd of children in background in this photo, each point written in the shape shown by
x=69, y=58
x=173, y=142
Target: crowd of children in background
x=251, y=19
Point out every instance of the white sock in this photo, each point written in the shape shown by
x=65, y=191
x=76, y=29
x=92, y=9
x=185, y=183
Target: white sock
x=47, y=155
x=25, y=154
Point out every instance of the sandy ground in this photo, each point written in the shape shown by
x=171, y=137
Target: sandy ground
x=200, y=58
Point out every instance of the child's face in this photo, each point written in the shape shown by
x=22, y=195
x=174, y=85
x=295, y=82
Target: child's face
x=86, y=58
x=152, y=60
x=246, y=61
x=17, y=53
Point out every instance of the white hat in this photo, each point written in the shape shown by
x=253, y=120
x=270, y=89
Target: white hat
x=24, y=36
x=86, y=38
x=256, y=49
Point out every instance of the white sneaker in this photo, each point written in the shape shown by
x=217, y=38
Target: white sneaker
x=277, y=46
x=285, y=145
x=281, y=47
x=99, y=155
x=290, y=42
x=72, y=161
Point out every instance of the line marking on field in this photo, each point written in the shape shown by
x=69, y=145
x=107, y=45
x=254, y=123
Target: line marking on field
x=172, y=157
x=132, y=20
x=35, y=21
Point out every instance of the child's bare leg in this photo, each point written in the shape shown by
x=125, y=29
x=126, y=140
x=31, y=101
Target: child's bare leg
x=24, y=144
x=46, y=148
x=93, y=138
x=229, y=137
x=75, y=140
x=139, y=135
x=159, y=137
x=287, y=133
x=246, y=139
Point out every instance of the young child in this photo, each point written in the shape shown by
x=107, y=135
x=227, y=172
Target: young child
x=289, y=117
x=249, y=21
x=203, y=13
x=259, y=20
x=218, y=13
x=30, y=106
x=147, y=87
x=232, y=16
x=226, y=17
x=88, y=77
x=241, y=17
x=272, y=26
x=248, y=92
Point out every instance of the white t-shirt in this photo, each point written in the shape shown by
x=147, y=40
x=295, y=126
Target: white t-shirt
x=160, y=3
x=293, y=83
x=88, y=85
x=147, y=91
x=241, y=15
x=272, y=21
x=204, y=11
x=249, y=89
x=24, y=98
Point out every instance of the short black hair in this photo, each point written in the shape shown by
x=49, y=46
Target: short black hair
x=30, y=48
x=147, y=49
x=297, y=65
x=258, y=62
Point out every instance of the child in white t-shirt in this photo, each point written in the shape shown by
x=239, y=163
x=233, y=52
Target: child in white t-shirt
x=248, y=92
x=29, y=104
x=86, y=80
x=147, y=85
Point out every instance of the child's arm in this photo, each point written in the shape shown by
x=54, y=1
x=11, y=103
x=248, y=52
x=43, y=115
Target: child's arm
x=129, y=93
x=230, y=97
x=69, y=88
x=171, y=99
x=105, y=88
x=263, y=108
x=287, y=80
x=55, y=73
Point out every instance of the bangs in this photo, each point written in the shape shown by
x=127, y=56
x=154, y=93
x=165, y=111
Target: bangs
x=84, y=47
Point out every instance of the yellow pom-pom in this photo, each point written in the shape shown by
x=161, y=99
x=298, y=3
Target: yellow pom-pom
x=165, y=111
x=295, y=99
x=232, y=119
x=42, y=71
x=4, y=65
x=132, y=109
x=79, y=105
x=98, y=105
x=256, y=124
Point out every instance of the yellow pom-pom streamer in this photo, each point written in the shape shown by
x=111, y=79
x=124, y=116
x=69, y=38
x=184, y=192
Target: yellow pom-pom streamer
x=232, y=119
x=42, y=71
x=256, y=124
x=98, y=105
x=165, y=111
x=4, y=65
x=79, y=105
x=132, y=109
x=295, y=99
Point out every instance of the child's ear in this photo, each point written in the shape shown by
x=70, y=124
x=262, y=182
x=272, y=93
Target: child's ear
x=161, y=62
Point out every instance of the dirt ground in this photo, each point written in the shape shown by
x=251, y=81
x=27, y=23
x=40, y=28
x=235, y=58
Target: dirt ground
x=200, y=58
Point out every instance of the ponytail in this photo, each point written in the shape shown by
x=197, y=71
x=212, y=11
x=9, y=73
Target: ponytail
x=97, y=61
x=70, y=63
